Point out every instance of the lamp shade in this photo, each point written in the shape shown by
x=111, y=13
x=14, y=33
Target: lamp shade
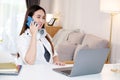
x=49, y=17
x=110, y=6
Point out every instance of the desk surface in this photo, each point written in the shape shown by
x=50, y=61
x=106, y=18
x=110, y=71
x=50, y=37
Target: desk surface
x=45, y=72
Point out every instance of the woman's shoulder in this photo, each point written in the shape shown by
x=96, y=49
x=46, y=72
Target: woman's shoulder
x=24, y=36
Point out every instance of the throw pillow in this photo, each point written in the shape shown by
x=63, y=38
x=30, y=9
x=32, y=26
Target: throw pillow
x=65, y=51
x=78, y=48
x=61, y=36
x=75, y=37
x=94, y=42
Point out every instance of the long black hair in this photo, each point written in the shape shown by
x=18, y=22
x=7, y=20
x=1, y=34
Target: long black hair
x=30, y=12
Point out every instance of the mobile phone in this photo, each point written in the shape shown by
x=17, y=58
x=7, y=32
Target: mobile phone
x=29, y=19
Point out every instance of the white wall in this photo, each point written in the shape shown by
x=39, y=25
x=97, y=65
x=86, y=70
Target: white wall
x=85, y=15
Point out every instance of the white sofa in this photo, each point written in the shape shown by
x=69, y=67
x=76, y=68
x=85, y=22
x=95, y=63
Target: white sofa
x=69, y=42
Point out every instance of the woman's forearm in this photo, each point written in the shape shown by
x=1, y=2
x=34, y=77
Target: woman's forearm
x=31, y=52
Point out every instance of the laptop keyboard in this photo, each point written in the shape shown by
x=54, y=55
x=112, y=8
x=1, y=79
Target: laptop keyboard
x=67, y=72
x=64, y=70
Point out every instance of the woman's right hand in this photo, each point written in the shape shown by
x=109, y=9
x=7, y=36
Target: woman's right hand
x=33, y=28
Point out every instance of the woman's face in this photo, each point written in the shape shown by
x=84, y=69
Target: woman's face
x=39, y=17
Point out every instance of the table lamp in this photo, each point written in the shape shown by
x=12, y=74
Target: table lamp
x=49, y=17
x=112, y=7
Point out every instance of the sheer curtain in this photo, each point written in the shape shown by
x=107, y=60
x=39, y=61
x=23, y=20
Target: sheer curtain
x=11, y=20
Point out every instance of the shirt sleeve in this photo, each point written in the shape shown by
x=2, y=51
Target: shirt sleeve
x=22, y=46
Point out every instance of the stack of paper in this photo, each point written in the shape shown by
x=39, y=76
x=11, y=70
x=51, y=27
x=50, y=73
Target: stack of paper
x=9, y=68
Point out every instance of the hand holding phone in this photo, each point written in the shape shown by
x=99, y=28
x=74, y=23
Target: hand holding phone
x=29, y=20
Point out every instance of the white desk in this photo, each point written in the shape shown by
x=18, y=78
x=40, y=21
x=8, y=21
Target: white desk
x=45, y=72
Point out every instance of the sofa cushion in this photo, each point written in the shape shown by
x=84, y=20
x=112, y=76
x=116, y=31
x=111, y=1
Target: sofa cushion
x=61, y=36
x=78, y=48
x=65, y=51
x=94, y=42
x=75, y=37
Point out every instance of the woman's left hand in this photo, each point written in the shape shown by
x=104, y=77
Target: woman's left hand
x=59, y=63
x=56, y=61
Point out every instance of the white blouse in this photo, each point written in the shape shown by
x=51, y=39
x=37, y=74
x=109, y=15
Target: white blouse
x=23, y=42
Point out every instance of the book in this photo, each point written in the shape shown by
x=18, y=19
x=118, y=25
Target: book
x=9, y=68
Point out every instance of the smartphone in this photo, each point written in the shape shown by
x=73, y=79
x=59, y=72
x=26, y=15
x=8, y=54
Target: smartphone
x=29, y=20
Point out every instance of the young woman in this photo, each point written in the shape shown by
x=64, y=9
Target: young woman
x=35, y=47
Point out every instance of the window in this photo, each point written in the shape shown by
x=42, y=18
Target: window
x=11, y=14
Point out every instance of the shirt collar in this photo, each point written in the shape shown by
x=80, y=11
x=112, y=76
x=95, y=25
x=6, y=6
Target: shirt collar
x=27, y=32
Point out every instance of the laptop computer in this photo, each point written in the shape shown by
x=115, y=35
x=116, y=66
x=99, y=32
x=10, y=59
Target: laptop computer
x=88, y=61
